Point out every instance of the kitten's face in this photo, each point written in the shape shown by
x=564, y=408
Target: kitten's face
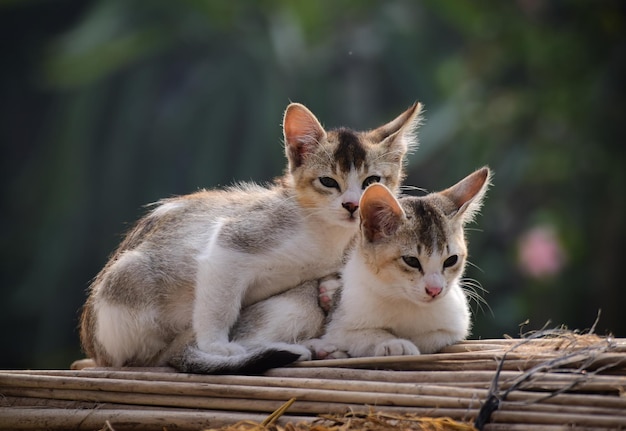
x=330, y=170
x=416, y=246
x=423, y=257
x=334, y=175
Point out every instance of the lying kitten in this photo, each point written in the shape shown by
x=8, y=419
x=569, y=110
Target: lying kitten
x=401, y=292
x=173, y=290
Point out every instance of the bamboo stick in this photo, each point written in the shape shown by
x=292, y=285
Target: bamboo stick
x=143, y=401
x=236, y=405
x=305, y=407
x=316, y=389
x=225, y=393
x=254, y=386
x=504, y=415
x=480, y=361
x=450, y=383
x=300, y=376
x=507, y=416
x=589, y=409
x=559, y=403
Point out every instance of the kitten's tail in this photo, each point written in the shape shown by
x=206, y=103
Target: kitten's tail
x=194, y=360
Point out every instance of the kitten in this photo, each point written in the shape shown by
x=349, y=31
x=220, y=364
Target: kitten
x=401, y=293
x=173, y=289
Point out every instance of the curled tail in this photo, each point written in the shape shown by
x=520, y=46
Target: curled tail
x=194, y=360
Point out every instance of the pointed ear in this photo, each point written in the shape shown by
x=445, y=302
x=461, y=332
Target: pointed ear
x=381, y=213
x=467, y=195
x=302, y=133
x=400, y=133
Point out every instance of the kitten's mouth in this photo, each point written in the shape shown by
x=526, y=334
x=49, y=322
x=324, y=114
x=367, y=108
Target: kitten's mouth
x=426, y=299
x=352, y=218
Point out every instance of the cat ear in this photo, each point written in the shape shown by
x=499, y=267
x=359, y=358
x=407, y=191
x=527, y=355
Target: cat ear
x=467, y=195
x=302, y=133
x=400, y=133
x=381, y=213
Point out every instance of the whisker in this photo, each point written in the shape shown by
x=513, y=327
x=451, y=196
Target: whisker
x=475, y=266
x=473, y=290
x=413, y=188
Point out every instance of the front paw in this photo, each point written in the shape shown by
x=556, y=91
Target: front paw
x=396, y=347
x=328, y=287
x=324, y=350
x=222, y=349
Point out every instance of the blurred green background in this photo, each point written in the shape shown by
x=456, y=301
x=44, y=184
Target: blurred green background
x=108, y=105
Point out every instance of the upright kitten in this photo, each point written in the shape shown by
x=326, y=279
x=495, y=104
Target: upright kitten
x=401, y=293
x=174, y=288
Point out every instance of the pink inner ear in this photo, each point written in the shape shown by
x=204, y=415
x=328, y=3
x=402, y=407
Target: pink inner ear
x=380, y=212
x=301, y=127
x=380, y=221
x=466, y=189
x=302, y=131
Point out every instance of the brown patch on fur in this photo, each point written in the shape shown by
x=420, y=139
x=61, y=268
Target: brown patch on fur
x=350, y=152
x=430, y=223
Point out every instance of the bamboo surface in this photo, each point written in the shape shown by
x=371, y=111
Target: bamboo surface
x=554, y=382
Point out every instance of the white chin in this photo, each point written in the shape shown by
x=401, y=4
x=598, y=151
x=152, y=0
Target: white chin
x=350, y=221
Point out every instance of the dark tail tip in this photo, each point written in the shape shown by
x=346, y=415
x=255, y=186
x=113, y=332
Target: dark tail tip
x=263, y=361
x=193, y=361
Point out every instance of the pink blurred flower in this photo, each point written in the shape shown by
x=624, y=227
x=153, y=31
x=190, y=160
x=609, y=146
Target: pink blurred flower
x=540, y=254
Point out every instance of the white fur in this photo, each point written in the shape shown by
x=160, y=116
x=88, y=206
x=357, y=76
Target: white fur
x=127, y=332
x=373, y=320
x=178, y=282
x=401, y=293
x=165, y=207
x=304, y=255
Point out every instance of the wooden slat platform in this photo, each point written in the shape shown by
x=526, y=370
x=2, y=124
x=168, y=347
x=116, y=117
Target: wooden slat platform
x=558, y=381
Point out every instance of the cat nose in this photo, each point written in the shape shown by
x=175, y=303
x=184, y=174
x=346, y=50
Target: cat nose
x=351, y=207
x=433, y=291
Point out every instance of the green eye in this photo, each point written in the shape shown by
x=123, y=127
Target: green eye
x=451, y=261
x=329, y=182
x=371, y=180
x=413, y=262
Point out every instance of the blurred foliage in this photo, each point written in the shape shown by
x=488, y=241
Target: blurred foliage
x=109, y=105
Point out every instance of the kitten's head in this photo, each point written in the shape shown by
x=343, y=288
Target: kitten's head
x=416, y=245
x=330, y=169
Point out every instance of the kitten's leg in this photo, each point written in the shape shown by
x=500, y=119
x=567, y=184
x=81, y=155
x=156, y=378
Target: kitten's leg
x=120, y=325
x=434, y=341
x=281, y=321
x=220, y=287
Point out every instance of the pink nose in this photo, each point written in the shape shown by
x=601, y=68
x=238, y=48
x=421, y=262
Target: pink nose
x=351, y=207
x=433, y=291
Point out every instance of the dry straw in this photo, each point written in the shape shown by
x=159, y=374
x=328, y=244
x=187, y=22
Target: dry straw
x=550, y=380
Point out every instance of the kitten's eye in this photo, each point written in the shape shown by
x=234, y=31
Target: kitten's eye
x=451, y=261
x=370, y=180
x=329, y=182
x=412, y=261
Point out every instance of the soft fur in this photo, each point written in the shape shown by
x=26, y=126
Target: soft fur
x=172, y=292
x=401, y=291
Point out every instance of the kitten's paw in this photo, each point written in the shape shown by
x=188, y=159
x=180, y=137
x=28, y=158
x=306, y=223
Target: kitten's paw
x=337, y=354
x=327, y=289
x=396, y=347
x=324, y=350
x=223, y=349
